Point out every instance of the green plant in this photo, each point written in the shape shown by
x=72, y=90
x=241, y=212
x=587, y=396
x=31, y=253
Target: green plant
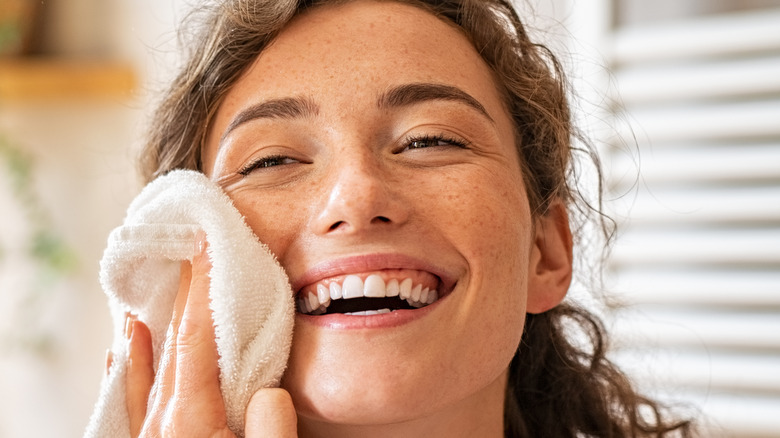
x=17, y=23
x=52, y=258
x=10, y=35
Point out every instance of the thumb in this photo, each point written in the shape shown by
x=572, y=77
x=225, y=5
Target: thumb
x=271, y=414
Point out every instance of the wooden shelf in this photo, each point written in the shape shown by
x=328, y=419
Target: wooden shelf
x=53, y=78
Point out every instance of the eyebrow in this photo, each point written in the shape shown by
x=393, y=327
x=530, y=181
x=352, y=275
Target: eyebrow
x=284, y=108
x=402, y=95
x=411, y=94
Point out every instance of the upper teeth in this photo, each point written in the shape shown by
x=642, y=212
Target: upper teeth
x=373, y=287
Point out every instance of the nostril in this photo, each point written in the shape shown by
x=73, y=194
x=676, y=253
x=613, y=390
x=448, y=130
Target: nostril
x=349, y=225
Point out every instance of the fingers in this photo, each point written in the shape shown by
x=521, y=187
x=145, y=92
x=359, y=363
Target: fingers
x=167, y=373
x=185, y=396
x=271, y=414
x=196, y=348
x=140, y=373
x=163, y=388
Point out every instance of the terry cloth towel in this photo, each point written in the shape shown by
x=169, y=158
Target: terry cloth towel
x=251, y=300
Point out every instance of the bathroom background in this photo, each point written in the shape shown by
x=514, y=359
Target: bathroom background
x=688, y=91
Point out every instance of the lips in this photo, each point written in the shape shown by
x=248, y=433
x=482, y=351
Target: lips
x=369, y=294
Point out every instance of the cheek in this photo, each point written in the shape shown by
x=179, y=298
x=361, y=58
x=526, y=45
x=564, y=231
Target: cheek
x=273, y=219
x=489, y=219
x=496, y=238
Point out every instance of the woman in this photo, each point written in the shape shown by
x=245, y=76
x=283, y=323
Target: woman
x=412, y=145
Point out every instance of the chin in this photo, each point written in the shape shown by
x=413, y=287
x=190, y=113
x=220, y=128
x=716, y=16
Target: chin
x=395, y=373
x=364, y=391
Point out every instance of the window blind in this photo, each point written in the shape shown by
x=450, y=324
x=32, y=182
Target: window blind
x=696, y=267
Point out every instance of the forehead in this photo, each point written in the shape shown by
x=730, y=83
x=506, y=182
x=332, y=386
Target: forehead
x=367, y=43
x=372, y=35
x=342, y=57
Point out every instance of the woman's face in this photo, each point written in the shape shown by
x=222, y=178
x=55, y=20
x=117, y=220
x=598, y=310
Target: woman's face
x=369, y=148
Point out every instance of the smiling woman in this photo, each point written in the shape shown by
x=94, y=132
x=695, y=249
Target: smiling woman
x=407, y=163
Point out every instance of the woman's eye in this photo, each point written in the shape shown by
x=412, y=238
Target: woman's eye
x=266, y=162
x=433, y=141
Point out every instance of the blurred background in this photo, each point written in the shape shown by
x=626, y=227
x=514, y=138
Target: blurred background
x=687, y=91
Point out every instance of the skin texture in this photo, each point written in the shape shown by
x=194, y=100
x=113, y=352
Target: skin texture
x=348, y=190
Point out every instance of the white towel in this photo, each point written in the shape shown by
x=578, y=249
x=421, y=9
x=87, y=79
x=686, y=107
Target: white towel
x=251, y=300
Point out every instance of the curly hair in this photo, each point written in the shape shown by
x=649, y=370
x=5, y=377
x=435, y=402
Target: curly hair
x=556, y=388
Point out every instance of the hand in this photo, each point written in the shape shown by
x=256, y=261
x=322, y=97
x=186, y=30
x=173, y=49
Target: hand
x=184, y=398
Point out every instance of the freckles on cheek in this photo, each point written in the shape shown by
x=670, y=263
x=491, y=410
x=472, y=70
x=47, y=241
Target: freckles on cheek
x=494, y=219
x=267, y=218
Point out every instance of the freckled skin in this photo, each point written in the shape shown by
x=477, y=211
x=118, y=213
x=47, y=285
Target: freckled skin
x=465, y=209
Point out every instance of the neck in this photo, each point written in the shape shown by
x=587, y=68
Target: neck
x=481, y=414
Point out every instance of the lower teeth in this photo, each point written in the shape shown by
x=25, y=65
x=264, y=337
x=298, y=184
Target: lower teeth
x=369, y=312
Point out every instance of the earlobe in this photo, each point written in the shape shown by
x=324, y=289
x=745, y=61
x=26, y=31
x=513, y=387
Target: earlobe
x=550, y=270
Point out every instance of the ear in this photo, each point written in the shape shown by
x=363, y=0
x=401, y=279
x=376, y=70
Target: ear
x=550, y=270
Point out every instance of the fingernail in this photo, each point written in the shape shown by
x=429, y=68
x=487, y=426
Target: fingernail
x=200, y=242
x=129, y=326
x=109, y=360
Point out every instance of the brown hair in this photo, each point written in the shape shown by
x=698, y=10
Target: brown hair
x=556, y=388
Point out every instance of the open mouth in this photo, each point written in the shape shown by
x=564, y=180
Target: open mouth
x=369, y=295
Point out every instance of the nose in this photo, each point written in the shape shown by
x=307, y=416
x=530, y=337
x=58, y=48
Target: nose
x=360, y=196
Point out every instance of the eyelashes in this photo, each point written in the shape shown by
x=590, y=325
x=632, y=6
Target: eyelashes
x=266, y=162
x=429, y=141
x=409, y=143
